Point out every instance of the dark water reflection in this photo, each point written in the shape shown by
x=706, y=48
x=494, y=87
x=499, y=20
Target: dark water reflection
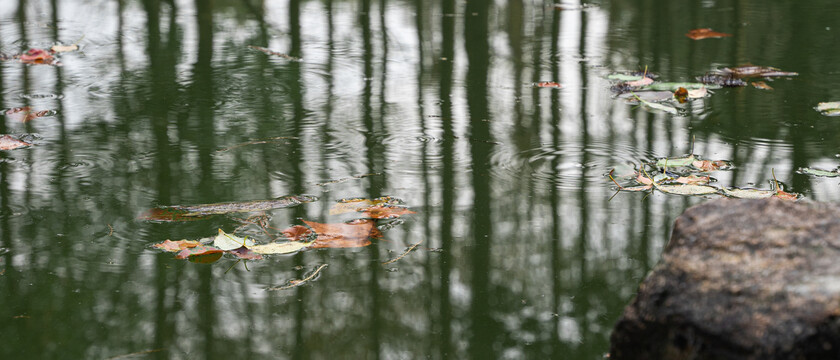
x=523, y=255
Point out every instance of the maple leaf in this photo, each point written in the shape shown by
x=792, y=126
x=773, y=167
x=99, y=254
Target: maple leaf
x=344, y=235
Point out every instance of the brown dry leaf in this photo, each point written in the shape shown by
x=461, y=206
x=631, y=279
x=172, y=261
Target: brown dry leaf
x=709, y=165
x=297, y=233
x=699, y=34
x=386, y=212
x=693, y=180
x=8, y=142
x=179, y=245
x=785, y=195
x=761, y=85
x=697, y=93
x=344, y=235
x=757, y=71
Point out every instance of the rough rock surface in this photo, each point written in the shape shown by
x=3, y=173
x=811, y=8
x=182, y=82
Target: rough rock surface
x=741, y=279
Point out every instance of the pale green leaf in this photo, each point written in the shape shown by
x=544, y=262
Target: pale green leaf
x=624, y=77
x=748, y=193
x=818, y=172
x=687, y=189
x=227, y=241
x=280, y=248
x=676, y=162
x=672, y=86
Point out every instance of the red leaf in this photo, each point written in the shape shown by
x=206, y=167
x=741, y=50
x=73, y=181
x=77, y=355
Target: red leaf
x=37, y=56
x=179, y=245
x=8, y=142
x=25, y=114
x=344, y=235
x=386, y=212
x=245, y=253
x=699, y=34
x=201, y=254
x=548, y=84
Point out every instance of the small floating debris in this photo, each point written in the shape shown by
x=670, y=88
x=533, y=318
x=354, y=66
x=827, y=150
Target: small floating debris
x=705, y=33
x=819, y=172
x=274, y=53
x=829, y=108
x=548, y=84
x=26, y=114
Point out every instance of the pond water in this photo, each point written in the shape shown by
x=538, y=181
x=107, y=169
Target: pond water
x=519, y=248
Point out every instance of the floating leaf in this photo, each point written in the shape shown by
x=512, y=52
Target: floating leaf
x=37, y=56
x=298, y=233
x=64, y=48
x=748, y=193
x=819, y=172
x=674, y=86
x=829, y=108
x=173, y=246
x=201, y=254
x=681, y=95
x=360, y=204
x=188, y=212
x=8, y=142
x=246, y=254
x=687, y=189
x=227, y=241
x=281, y=248
x=641, y=82
x=786, y=195
x=344, y=235
x=697, y=93
x=636, y=188
x=657, y=106
x=710, y=165
x=761, y=85
x=676, y=162
x=756, y=71
x=25, y=114
x=386, y=212
x=548, y=84
x=693, y=180
x=699, y=34
x=274, y=53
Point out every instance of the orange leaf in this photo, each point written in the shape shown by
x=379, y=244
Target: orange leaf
x=25, y=114
x=386, y=212
x=699, y=34
x=761, y=85
x=785, y=195
x=8, y=142
x=709, y=165
x=179, y=245
x=548, y=84
x=344, y=235
x=681, y=95
x=693, y=180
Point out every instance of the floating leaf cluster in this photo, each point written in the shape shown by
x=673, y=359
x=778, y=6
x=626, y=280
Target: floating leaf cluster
x=352, y=234
x=688, y=176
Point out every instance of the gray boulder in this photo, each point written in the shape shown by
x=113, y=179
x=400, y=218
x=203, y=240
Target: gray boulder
x=740, y=279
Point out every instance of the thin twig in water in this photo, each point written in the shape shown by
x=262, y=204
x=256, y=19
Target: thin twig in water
x=403, y=254
x=110, y=228
x=234, y=264
x=144, y=352
x=296, y=283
